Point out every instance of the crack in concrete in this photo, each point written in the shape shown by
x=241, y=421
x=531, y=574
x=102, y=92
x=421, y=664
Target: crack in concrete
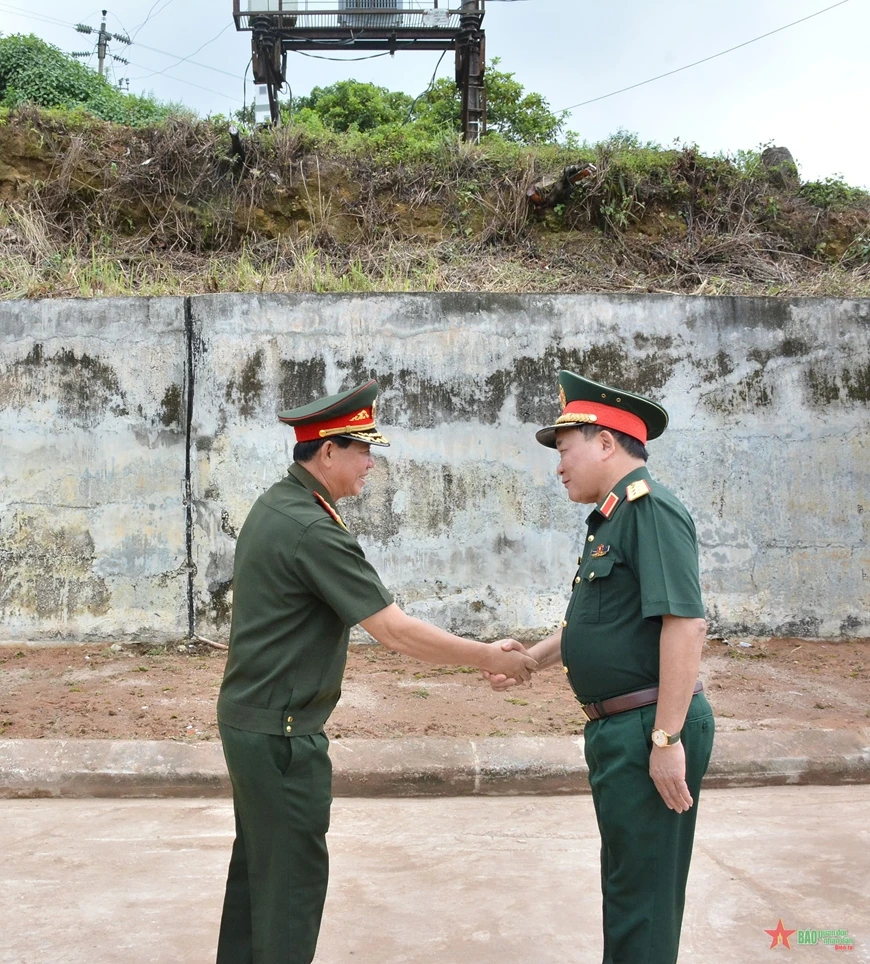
x=476, y=755
x=188, y=432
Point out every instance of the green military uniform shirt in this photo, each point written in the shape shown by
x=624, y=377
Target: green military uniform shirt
x=301, y=580
x=639, y=563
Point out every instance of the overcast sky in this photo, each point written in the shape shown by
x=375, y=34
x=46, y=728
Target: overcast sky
x=805, y=87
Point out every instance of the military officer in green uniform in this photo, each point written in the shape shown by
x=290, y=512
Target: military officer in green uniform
x=300, y=582
x=630, y=645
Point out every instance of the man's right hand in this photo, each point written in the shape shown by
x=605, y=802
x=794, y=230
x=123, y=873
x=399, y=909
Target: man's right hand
x=509, y=664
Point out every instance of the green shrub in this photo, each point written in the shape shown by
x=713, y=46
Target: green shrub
x=33, y=71
x=833, y=192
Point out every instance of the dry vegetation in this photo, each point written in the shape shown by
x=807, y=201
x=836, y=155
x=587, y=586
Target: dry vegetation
x=90, y=208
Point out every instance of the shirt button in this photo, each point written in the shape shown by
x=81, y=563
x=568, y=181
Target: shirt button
x=591, y=576
x=289, y=729
x=576, y=580
x=591, y=539
x=564, y=622
x=565, y=668
x=289, y=719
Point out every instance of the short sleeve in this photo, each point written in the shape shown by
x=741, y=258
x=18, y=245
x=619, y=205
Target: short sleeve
x=331, y=563
x=667, y=560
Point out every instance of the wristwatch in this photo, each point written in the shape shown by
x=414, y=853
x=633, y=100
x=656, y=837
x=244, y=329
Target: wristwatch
x=661, y=738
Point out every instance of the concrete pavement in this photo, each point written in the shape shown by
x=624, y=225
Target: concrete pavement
x=415, y=767
x=464, y=880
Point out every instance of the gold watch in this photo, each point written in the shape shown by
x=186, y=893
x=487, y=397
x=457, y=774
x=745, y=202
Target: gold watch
x=662, y=738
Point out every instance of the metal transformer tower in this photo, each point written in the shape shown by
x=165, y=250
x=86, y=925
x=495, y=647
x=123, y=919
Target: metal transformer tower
x=279, y=26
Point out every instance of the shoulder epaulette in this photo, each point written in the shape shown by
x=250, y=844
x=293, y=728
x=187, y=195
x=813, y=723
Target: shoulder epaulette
x=330, y=510
x=637, y=490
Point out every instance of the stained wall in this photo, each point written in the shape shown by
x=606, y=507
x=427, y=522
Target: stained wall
x=135, y=433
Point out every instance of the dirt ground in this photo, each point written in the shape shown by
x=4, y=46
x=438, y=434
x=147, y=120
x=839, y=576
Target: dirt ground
x=169, y=692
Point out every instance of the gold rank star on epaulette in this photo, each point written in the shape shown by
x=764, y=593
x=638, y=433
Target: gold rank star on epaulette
x=637, y=490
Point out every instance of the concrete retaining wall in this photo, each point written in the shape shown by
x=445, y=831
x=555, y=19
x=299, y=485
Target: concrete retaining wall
x=136, y=433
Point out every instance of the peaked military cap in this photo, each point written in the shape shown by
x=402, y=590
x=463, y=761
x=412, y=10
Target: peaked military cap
x=585, y=402
x=349, y=414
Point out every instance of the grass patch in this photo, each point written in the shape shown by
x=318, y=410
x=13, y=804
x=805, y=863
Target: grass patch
x=105, y=210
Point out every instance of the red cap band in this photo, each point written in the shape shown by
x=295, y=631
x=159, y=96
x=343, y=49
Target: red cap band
x=607, y=417
x=362, y=421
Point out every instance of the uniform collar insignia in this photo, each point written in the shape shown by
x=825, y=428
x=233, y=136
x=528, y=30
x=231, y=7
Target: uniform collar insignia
x=330, y=510
x=608, y=505
x=600, y=551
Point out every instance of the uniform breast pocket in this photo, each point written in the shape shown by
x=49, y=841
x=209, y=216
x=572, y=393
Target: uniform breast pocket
x=597, y=599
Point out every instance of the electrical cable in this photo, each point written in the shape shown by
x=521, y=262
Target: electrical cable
x=183, y=59
x=28, y=14
x=126, y=31
x=190, y=83
x=413, y=103
x=245, y=86
x=156, y=50
x=340, y=60
x=193, y=63
x=149, y=17
x=721, y=53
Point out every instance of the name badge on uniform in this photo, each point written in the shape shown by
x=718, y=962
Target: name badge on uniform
x=600, y=551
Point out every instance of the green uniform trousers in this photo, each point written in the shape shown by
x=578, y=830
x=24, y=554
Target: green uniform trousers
x=276, y=886
x=646, y=848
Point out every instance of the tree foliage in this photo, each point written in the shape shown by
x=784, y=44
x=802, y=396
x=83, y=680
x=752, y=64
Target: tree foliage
x=513, y=114
x=353, y=105
x=37, y=72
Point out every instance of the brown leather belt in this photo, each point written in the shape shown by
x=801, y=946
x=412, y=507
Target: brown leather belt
x=630, y=701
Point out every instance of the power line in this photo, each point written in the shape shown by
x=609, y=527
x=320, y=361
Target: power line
x=27, y=14
x=193, y=63
x=150, y=12
x=428, y=88
x=721, y=53
x=111, y=14
x=191, y=84
x=342, y=60
x=183, y=59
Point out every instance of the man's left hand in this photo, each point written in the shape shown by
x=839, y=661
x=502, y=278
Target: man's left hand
x=667, y=767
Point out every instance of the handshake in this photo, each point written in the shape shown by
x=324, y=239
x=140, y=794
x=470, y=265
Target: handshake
x=506, y=670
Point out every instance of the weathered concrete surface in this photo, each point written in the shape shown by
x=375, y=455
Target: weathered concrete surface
x=92, y=421
x=429, y=766
x=464, y=516
x=462, y=881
